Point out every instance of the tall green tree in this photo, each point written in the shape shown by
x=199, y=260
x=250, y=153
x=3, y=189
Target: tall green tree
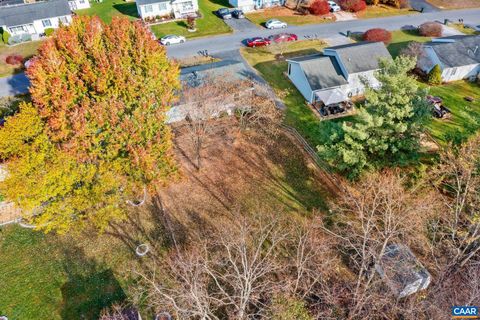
x=95, y=133
x=387, y=129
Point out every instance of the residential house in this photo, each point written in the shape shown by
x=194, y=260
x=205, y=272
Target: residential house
x=167, y=8
x=78, y=4
x=457, y=56
x=338, y=73
x=250, y=5
x=33, y=19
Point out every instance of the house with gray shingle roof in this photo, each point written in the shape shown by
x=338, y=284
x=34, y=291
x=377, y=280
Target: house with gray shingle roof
x=32, y=19
x=457, y=56
x=338, y=73
x=167, y=8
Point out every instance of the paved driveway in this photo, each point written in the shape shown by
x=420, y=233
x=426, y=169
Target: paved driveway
x=241, y=25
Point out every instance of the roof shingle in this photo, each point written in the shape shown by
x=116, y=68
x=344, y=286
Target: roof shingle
x=26, y=13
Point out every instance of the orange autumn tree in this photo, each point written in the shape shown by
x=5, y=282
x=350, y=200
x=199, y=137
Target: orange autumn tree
x=101, y=93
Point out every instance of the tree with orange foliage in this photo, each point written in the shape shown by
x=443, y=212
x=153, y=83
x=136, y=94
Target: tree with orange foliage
x=100, y=94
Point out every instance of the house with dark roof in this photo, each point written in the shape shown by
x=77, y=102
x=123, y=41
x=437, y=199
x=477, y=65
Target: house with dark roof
x=167, y=8
x=457, y=56
x=32, y=19
x=338, y=73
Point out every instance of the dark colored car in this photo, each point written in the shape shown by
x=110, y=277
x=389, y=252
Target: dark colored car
x=224, y=13
x=257, y=42
x=238, y=14
x=283, y=37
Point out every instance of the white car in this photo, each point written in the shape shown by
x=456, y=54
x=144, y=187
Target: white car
x=275, y=24
x=334, y=7
x=172, y=39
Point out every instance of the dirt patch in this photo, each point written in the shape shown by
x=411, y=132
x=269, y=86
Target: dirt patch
x=457, y=4
x=244, y=173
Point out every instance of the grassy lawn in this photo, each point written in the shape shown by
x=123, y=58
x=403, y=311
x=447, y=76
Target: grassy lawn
x=26, y=50
x=466, y=115
x=287, y=15
x=46, y=277
x=208, y=25
x=381, y=11
x=401, y=38
x=461, y=27
x=298, y=114
x=457, y=4
x=107, y=9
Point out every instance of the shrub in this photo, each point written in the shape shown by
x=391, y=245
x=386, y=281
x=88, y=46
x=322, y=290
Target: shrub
x=435, y=76
x=14, y=59
x=404, y=4
x=413, y=49
x=353, y=5
x=49, y=31
x=378, y=34
x=5, y=37
x=319, y=8
x=430, y=29
x=191, y=22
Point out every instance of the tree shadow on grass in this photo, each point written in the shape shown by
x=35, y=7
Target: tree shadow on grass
x=128, y=9
x=89, y=288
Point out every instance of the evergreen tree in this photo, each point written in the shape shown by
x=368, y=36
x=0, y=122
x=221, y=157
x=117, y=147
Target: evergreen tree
x=387, y=129
x=435, y=76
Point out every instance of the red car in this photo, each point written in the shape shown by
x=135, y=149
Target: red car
x=257, y=42
x=283, y=37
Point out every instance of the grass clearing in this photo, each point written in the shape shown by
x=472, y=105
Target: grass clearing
x=401, y=38
x=461, y=27
x=26, y=50
x=457, y=4
x=382, y=11
x=208, y=25
x=287, y=15
x=107, y=9
x=464, y=114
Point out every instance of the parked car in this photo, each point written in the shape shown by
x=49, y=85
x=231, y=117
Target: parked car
x=238, y=14
x=258, y=42
x=334, y=7
x=224, y=13
x=283, y=37
x=172, y=39
x=275, y=24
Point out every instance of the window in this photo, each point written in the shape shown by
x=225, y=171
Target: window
x=454, y=70
x=162, y=6
x=81, y=1
x=46, y=23
x=187, y=6
x=289, y=69
x=148, y=8
x=63, y=20
x=19, y=29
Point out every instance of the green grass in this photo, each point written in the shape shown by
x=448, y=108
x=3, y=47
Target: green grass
x=259, y=18
x=43, y=277
x=209, y=24
x=107, y=9
x=382, y=11
x=26, y=50
x=401, y=38
x=461, y=27
x=465, y=115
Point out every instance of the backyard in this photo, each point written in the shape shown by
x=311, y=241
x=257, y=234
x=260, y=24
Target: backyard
x=26, y=50
x=107, y=9
x=401, y=38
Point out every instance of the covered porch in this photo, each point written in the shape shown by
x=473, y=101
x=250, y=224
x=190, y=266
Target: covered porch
x=333, y=103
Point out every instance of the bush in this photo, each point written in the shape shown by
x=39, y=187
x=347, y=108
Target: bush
x=49, y=31
x=378, y=34
x=435, y=76
x=319, y=8
x=14, y=59
x=191, y=22
x=5, y=37
x=353, y=5
x=404, y=4
x=430, y=29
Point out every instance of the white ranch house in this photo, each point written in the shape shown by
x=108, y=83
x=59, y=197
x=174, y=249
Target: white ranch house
x=338, y=73
x=33, y=18
x=457, y=56
x=167, y=8
x=250, y=5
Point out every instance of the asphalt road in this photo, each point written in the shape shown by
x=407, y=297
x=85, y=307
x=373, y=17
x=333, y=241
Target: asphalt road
x=217, y=45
